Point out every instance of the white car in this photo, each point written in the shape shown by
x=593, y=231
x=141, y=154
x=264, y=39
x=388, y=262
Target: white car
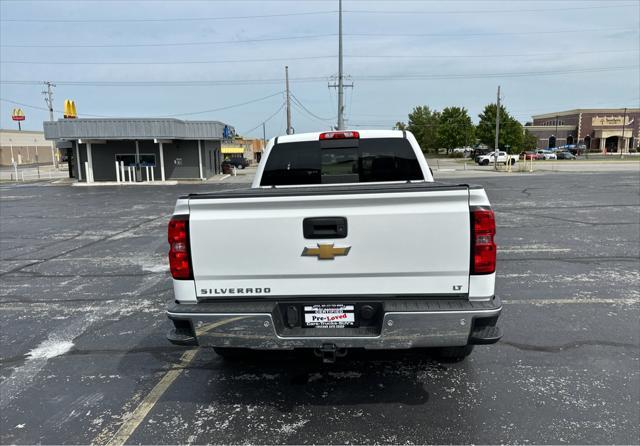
x=464, y=150
x=349, y=252
x=490, y=158
x=547, y=154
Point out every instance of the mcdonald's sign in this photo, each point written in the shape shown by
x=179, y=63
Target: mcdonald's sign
x=17, y=115
x=70, y=109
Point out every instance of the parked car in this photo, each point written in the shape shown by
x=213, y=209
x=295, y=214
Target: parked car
x=572, y=148
x=529, y=154
x=565, y=156
x=466, y=151
x=337, y=255
x=239, y=162
x=503, y=158
x=547, y=154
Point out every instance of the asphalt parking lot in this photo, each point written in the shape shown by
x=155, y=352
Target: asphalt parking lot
x=84, y=358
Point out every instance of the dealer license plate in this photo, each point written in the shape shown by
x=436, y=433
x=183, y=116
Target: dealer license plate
x=329, y=316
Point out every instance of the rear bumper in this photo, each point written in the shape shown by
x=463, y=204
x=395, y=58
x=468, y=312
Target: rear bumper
x=404, y=324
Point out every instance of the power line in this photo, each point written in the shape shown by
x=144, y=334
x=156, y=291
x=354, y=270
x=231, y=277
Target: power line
x=315, y=36
x=188, y=62
x=358, y=56
x=489, y=11
x=35, y=107
x=365, y=77
x=354, y=11
x=493, y=75
x=176, y=83
x=497, y=33
x=264, y=121
x=309, y=112
x=171, y=19
x=483, y=56
x=227, y=107
x=138, y=45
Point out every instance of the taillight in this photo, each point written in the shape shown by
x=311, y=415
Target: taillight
x=179, y=257
x=483, y=247
x=340, y=135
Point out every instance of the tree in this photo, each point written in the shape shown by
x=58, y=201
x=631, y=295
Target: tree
x=529, y=141
x=511, y=134
x=400, y=126
x=455, y=128
x=423, y=123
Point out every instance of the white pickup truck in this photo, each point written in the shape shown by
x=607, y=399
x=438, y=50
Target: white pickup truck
x=490, y=158
x=343, y=241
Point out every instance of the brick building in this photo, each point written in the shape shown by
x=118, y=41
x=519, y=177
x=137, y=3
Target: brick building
x=606, y=130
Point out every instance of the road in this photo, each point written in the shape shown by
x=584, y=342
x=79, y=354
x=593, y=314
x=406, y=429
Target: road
x=84, y=358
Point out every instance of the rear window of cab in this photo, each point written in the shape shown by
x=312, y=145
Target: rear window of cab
x=341, y=161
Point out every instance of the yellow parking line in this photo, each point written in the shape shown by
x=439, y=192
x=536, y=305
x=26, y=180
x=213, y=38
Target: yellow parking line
x=149, y=401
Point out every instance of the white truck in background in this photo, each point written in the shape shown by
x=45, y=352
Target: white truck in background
x=343, y=241
x=490, y=158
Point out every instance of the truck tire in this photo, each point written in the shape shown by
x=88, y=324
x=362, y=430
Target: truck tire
x=231, y=353
x=454, y=354
x=513, y=162
x=485, y=162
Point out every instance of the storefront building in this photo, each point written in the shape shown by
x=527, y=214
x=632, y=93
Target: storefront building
x=606, y=130
x=249, y=149
x=164, y=149
x=25, y=147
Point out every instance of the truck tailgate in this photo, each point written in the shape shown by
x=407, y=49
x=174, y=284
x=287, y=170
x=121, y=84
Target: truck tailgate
x=401, y=242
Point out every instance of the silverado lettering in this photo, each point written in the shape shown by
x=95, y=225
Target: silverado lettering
x=207, y=291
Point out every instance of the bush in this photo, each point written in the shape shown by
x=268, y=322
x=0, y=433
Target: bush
x=456, y=155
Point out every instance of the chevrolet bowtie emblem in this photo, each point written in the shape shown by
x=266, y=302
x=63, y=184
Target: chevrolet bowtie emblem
x=325, y=251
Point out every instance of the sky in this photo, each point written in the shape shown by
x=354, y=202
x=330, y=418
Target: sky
x=224, y=60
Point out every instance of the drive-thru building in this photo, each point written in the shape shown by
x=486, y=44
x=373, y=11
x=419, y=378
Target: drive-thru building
x=163, y=148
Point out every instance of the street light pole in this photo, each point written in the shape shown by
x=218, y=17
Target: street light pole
x=496, y=146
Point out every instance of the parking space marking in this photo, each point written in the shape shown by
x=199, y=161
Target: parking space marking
x=143, y=409
x=140, y=413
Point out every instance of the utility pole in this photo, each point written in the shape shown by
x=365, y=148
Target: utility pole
x=495, y=153
x=286, y=75
x=340, y=84
x=340, y=79
x=264, y=137
x=48, y=98
x=624, y=121
x=264, y=140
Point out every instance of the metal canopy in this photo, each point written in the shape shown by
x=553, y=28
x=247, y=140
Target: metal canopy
x=135, y=128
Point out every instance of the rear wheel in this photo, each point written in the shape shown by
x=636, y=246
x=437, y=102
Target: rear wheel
x=513, y=162
x=454, y=354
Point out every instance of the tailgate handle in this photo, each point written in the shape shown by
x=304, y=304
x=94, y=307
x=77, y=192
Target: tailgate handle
x=325, y=227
